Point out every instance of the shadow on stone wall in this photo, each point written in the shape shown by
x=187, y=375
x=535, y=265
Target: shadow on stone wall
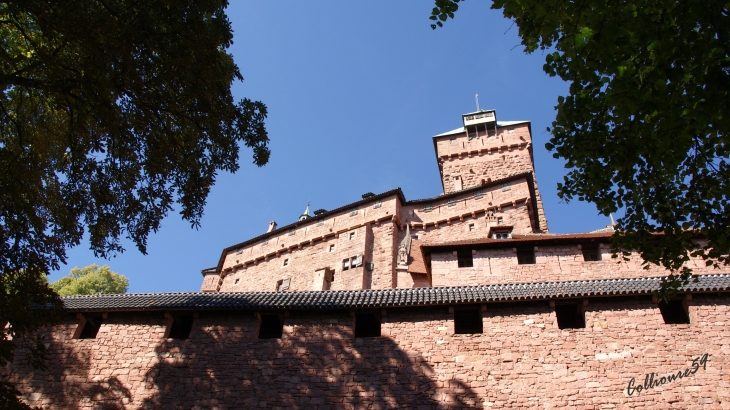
x=326, y=369
x=69, y=382
x=224, y=366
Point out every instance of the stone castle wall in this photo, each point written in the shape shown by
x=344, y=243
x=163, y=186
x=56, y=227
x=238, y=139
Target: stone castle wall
x=466, y=163
x=552, y=263
x=521, y=360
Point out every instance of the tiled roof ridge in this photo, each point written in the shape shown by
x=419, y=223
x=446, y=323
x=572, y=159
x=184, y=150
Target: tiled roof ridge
x=380, y=298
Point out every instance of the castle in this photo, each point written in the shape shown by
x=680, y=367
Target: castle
x=463, y=300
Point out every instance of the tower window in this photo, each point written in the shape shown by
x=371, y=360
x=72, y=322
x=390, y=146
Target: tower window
x=452, y=202
x=367, y=325
x=91, y=325
x=180, y=327
x=282, y=284
x=352, y=235
x=236, y=282
x=292, y=231
x=526, y=256
x=271, y=327
x=468, y=322
x=265, y=241
x=286, y=262
x=377, y=204
x=452, y=141
x=427, y=207
x=346, y=264
x=239, y=251
x=320, y=221
x=465, y=259
x=471, y=227
x=478, y=194
x=570, y=316
x=500, y=220
x=674, y=312
x=591, y=253
x=506, y=186
x=353, y=212
x=332, y=248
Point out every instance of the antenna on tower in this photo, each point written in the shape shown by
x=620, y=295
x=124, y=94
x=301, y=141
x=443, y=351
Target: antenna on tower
x=476, y=97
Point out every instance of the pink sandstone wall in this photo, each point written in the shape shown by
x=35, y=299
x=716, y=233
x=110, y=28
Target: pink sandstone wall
x=552, y=263
x=494, y=199
x=522, y=360
x=468, y=163
x=259, y=266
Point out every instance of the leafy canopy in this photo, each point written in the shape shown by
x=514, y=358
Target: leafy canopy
x=111, y=112
x=91, y=280
x=645, y=126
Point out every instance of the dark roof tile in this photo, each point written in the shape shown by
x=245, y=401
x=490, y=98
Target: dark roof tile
x=381, y=298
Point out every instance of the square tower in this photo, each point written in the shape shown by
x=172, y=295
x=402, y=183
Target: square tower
x=485, y=150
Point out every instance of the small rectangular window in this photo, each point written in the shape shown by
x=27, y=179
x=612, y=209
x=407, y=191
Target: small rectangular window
x=320, y=221
x=471, y=227
x=282, y=284
x=506, y=186
x=591, y=253
x=510, y=131
x=265, y=241
x=674, y=312
x=236, y=282
x=91, y=325
x=526, y=256
x=452, y=202
x=346, y=264
x=352, y=235
x=478, y=194
x=465, y=259
x=356, y=261
x=500, y=221
x=502, y=235
x=452, y=141
x=367, y=325
x=377, y=204
x=239, y=251
x=286, y=262
x=468, y=321
x=427, y=207
x=332, y=248
x=292, y=231
x=353, y=212
x=271, y=327
x=570, y=316
x=181, y=326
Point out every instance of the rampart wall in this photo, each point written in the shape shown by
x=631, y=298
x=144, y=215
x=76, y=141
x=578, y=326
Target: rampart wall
x=521, y=360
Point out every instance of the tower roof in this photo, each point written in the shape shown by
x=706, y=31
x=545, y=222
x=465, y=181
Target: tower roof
x=305, y=215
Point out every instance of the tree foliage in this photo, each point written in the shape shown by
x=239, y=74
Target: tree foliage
x=645, y=126
x=111, y=113
x=91, y=280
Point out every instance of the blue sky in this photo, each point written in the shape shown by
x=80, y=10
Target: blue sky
x=355, y=91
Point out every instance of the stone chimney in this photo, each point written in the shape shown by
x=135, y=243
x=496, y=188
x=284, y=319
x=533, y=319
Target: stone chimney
x=272, y=226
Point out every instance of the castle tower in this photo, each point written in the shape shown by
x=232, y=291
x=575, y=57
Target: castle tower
x=485, y=150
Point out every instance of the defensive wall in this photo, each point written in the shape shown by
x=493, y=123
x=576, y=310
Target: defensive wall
x=519, y=358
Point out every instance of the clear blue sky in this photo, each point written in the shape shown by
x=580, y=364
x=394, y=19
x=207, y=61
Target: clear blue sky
x=355, y=91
